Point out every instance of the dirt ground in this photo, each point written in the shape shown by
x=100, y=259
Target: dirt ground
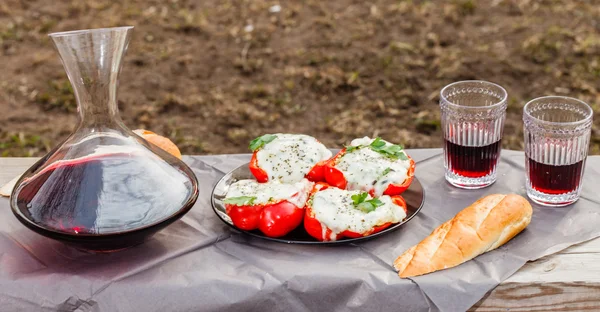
x=214, y=74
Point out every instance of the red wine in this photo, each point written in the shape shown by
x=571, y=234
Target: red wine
x=106, y=201
x=472, y=161
x=550, y=179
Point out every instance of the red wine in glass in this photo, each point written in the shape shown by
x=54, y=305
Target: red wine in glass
x=105, y=202
x=472, y=161
x=553, y=179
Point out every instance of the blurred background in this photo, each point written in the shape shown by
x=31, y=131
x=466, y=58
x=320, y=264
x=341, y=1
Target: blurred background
x=213, y=74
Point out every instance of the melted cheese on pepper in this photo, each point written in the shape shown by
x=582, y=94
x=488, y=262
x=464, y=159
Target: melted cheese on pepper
x=272, y=191
x=335, y=209
x=364, y=168
x=290, y=157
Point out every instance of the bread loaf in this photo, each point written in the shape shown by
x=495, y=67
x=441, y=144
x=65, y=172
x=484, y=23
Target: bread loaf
x=483, y=226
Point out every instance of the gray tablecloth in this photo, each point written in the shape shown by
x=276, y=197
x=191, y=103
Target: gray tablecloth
x=199, y=264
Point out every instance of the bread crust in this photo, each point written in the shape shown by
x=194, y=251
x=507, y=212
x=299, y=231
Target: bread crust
x=485, y=225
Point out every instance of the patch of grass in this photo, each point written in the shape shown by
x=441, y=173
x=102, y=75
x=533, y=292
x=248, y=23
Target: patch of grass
x=21, y=144
x=9, y=33
x=352, y=78
x=248, y=66
x=514, y=105
x=289, y=84
x=466, y=7
x=238, y=134
x=47, y=25
x=281, y=99
x=398, y=46
x=386, y=61
x=187, y=144
x=326, y=22
x=173, y=103
x=256, y=91
x=587, y=46
x=541, y=49
x=132, y=11
x=425, y=125
x=60, y=96
x=314, y=58
x=191, y=21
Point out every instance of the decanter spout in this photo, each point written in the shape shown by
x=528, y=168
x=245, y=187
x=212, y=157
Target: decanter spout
x=92, y=59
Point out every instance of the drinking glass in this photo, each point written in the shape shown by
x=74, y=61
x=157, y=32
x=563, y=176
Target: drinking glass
x=473, y=114
x=557, y=135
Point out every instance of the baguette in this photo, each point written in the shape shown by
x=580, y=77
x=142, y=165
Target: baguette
x=483, y=226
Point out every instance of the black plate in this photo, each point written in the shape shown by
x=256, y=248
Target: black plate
x=414, y=196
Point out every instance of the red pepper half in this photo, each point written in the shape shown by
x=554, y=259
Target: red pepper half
x=316, y=174
x=273, y=220
x=332, y=175
x=335, y=177
x=260, y=175
x=397, y=189
x=320, y=232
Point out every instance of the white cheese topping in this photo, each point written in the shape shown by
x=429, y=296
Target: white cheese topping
x=364, y=168
x=290, y=157
x=335, y=209
x=295, y=193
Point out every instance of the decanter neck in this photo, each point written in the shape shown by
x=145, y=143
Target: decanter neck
x=92, y=60
x=97, y=102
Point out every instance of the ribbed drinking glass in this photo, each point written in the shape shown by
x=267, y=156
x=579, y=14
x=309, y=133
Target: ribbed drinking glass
x=473, y=114
x=557, y=136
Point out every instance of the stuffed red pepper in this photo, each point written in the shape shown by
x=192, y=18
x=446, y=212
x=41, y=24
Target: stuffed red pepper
x=273, y=207
x=372, y=165
x=332, y=213
x=288, y=158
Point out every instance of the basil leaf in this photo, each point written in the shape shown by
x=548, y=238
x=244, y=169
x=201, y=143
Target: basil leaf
x=377, y=143
x=240, y=201
x=366, y=207
x=260, y=141
x=392, y=149
x=350, y=148
x=359, y=198
x=369, y=205
x=375, y=202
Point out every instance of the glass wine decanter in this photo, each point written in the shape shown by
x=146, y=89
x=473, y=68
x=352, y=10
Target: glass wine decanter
x=104, y=188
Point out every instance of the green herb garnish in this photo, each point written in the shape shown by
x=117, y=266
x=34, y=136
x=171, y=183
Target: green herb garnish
x=386, y=171
x=403, y=156
x=367, y=206
x=260, y=141
x=240, y=201
x=393, y=151
x=359, y=198
x=377, y=143
x=350, y=148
